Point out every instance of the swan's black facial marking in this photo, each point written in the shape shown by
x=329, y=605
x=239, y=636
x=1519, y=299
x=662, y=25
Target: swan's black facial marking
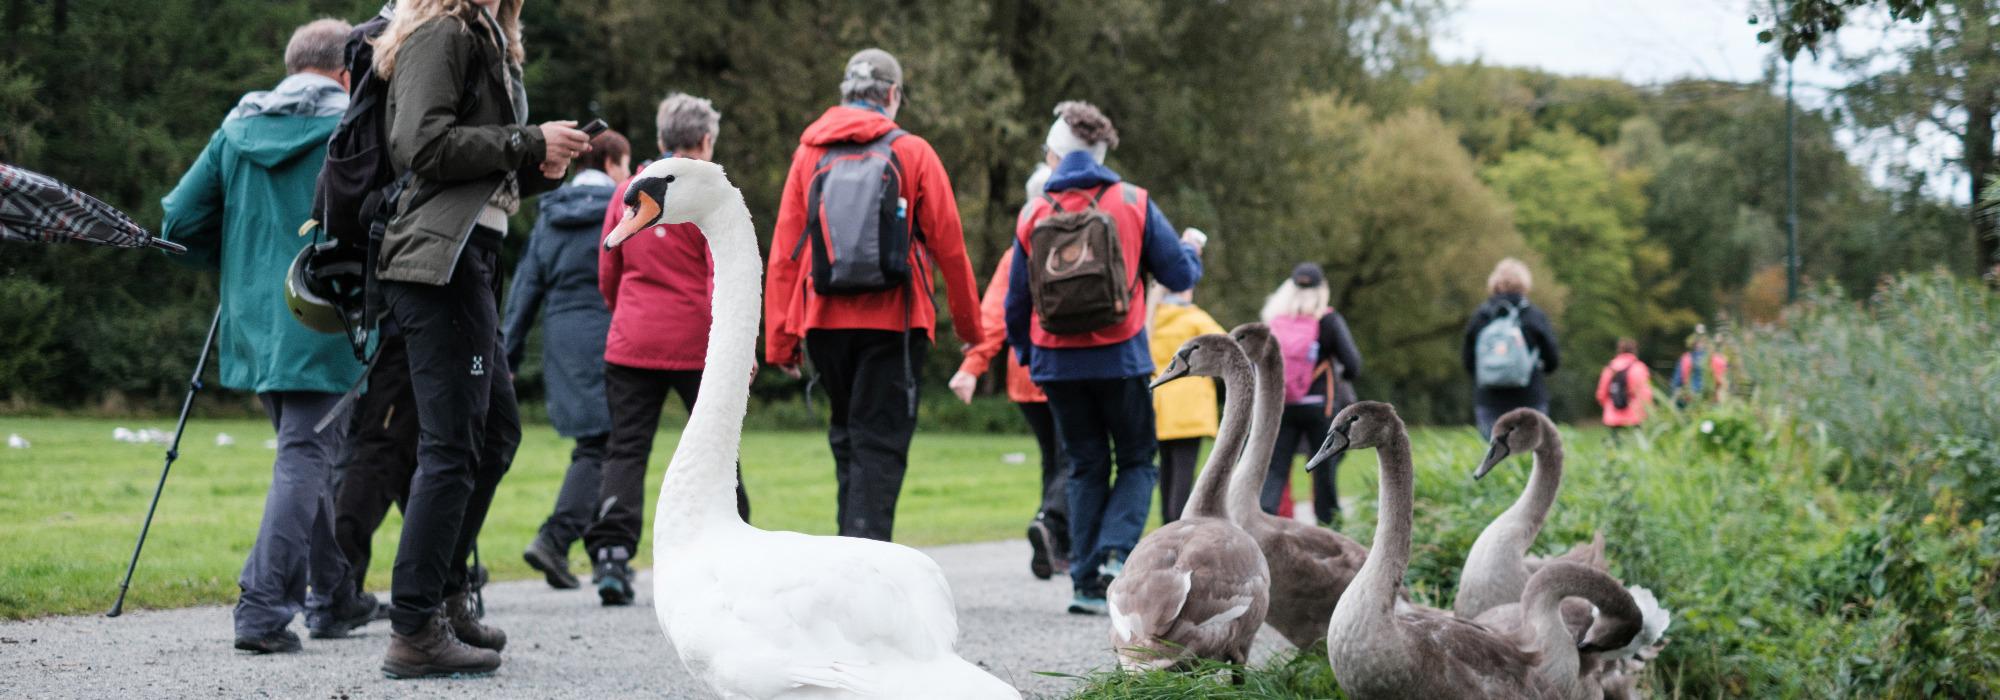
x=1336, y=443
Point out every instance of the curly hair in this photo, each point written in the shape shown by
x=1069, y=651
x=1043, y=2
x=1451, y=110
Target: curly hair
x=1088, y=123
x=413, y=14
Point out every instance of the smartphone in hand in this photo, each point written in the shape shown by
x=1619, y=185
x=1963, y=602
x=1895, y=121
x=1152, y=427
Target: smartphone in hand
x=595, y=127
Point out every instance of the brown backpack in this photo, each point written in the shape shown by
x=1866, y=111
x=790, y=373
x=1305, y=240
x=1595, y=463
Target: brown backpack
x=1076, y=272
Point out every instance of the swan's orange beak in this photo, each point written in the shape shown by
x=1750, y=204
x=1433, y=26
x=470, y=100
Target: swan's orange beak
x=638, y=217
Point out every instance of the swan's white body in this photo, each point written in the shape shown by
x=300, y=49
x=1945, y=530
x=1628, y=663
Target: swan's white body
x=759, y=614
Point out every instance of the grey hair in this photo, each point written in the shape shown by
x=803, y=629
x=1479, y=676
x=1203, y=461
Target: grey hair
x=319, y=45
x=684, y=119
x=1511, y=276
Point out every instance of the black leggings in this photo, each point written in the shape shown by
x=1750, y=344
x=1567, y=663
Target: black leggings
x=635, y=395
x=1303, y=423
x=1177, y=458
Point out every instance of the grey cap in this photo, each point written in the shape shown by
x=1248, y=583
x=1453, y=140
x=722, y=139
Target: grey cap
x=1308, y=275
x=873, y=65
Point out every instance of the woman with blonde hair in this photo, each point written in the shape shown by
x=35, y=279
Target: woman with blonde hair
x=1321, y=363
x=1509, y=348
x=457, y=128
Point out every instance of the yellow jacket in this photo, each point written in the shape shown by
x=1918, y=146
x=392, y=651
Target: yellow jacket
x=1183, y=408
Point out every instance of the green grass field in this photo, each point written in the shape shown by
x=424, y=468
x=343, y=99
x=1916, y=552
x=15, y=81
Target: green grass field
x=73, y=503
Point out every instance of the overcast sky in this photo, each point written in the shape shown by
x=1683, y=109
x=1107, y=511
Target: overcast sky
x=1650, y=42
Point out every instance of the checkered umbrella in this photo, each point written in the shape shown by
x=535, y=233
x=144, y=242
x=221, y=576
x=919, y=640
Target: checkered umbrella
x=35, y=207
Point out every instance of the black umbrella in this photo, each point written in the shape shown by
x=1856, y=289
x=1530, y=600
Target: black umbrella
x=36, y=207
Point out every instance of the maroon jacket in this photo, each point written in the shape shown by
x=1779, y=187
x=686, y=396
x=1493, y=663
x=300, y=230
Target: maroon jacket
x=658, y=285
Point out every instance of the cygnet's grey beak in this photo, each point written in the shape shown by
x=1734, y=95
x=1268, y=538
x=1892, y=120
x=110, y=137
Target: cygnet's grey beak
x=1175, y=370
x=1335, y=445
x=1495, y=454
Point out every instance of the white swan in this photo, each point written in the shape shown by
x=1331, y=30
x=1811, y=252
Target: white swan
x=758, y=614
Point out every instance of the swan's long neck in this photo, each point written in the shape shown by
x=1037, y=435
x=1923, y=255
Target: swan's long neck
x=699, y=490
x=1524, y=519
x=1246, y=484
x=1209, y=499
x=1389, y=555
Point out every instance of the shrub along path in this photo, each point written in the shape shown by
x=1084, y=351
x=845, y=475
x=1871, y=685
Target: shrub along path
x=561, y=644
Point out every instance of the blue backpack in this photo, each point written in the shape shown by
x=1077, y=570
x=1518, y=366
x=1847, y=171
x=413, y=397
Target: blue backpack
x=1502, y=358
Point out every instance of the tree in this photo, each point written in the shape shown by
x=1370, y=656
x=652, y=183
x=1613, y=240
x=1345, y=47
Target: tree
x=1950, y=82
x=1803, y=25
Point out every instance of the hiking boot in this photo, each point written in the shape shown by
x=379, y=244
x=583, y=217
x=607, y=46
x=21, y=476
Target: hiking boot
x=1113, y=566
x=345, y=617
x=279, y=642
x=614, y=582
x=1043, y=562
x=433, y=651
x=1088, y=597
x=553, y=564
x=464, y=620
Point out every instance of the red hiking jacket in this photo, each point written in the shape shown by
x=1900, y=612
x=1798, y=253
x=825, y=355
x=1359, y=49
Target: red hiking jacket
x=658, y=289
x=791, y=307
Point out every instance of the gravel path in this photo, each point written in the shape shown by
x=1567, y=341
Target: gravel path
x=561, y=644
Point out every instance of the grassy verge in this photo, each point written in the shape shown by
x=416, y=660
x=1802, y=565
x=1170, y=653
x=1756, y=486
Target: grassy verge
x=74, y=500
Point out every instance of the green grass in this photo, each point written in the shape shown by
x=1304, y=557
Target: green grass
x=73, y=503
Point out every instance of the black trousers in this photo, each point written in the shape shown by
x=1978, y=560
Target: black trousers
x=1177, y=457
x=1054, y=508
x=1303, y=422
x=382, y=456
x=635, y=395
x=864, y=374
x=576, y=501
x=468, y=428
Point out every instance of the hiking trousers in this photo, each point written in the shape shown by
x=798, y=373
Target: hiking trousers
x=1177, y=458
x=868, y=384
x=618, y=504
x=467, y=427
x=382, y=456
x=1303, y=424
x=294, y=564
x=576, y=500
x=1094, y=417
x=1054, y=508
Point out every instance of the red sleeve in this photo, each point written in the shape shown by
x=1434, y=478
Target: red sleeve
x=992, y=320
x=611, y=262
x=781, y=274
x=944, y=235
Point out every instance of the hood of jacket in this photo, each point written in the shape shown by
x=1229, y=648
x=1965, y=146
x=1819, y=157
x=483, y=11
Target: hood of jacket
x=1078, y=170
x=271, y=127
x=845, y=124
x=577, y=207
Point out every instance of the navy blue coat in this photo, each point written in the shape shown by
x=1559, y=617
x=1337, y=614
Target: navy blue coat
x=557, y=280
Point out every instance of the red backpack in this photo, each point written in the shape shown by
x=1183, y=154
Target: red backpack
x=1298, y=342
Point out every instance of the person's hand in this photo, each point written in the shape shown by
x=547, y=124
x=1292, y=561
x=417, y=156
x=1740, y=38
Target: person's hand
x=791, y=370
x=962, y=384
x=1194, y=237
x=562, y=141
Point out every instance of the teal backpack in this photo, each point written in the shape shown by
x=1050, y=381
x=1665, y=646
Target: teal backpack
x=1502, y=358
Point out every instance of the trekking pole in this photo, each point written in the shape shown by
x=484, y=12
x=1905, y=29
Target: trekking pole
x=173, y=452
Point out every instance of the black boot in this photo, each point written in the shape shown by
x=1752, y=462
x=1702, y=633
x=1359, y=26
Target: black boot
x=279, y=642
x=613, y=576
x=553, y=564
x=345, y=617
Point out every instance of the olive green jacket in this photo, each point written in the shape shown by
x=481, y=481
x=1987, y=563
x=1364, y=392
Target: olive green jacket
x=457, y=152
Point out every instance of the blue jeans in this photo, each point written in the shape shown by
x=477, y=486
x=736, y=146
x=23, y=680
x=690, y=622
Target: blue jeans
x=1105, y=515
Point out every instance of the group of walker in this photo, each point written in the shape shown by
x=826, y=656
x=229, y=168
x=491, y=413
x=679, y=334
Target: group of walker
x=867, y=219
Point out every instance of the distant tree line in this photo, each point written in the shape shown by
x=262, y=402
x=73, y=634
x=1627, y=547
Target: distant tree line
x=1321, y=130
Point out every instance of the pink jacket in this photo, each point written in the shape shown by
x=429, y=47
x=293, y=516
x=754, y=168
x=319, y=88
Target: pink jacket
x=658, y=289
x=1638, y=384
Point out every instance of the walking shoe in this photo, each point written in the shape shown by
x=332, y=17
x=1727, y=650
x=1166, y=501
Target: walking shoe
x=1113, y=566
x=381, y=608
x=1088, y=597
x=279, y=642
x=464, y=619
x=1042, y=563
x=345, y=617
x=614, y=582
x=434, y=651
x=553, y=564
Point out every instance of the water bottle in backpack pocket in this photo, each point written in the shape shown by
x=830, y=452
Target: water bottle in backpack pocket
x=857, y=221
x=1076, y=269
x=1502, y=358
